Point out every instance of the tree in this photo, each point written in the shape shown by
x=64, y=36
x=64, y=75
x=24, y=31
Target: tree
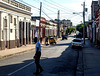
x=69, y=30
x=79, y=28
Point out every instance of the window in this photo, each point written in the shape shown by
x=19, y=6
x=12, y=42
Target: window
x=5, y=22
x=11, y=30
x=14, y=21
x=2, y=35
x=11, y=19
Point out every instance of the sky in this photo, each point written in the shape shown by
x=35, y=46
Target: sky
x=67, y=7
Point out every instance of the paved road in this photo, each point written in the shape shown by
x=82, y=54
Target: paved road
x=56, y=60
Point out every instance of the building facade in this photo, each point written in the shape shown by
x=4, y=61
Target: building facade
x=97, y=20
x=47, y=28
x=94, y=23
x=14, y=24
x=94, y=8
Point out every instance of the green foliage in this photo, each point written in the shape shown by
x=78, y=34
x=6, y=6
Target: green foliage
x=69, y=30
x=79, y=28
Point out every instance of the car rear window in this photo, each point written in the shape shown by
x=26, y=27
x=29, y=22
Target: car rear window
x=77, y=40
x=51, y=37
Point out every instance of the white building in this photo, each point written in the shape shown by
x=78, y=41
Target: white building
x=14, y=24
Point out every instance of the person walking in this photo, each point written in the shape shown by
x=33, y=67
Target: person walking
x=37, y=56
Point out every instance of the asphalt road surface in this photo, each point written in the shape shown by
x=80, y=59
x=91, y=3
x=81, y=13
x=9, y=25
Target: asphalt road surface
x=57, y=60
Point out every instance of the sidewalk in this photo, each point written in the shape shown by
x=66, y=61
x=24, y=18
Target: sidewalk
x=10, y=52
x=13, y=51
x=91, y=59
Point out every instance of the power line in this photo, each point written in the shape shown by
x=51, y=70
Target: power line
x=58, y=5
x=29, y=4
x=49, y=10
x=36, y=8
x=45, y=8
x=46, y=14
x=57, y=9
x=63, y=10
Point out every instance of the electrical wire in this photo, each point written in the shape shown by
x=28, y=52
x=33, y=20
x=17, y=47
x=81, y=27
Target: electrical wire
x=63, y=10
x=37, y=8
x=43, y=11
x=28, y=4
x=49, y=10
x=57, y=5
x=57, y=9
x=61, y=5
x=46, y=14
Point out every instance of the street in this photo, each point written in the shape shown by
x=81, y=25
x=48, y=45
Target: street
x=68, y=30
x=57, y=60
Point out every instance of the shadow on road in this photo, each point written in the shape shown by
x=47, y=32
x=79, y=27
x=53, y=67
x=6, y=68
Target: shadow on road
x=65, y=44
x=63, y=65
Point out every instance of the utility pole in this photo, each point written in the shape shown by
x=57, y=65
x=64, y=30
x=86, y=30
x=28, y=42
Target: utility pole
x=58, y=32
x=84, y=22
x=40, y=19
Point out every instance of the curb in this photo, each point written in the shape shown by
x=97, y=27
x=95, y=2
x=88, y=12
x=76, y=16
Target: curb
x=10, y=55
x=17, y=53
x=27, y=50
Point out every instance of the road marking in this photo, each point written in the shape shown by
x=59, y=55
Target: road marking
x=20, y=68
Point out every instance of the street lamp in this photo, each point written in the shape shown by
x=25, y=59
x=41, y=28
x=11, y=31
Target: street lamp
x=78, y=13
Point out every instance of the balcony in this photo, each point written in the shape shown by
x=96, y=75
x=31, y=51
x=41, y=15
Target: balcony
x=18, y=5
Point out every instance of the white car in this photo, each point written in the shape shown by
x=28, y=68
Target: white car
x=77, y=43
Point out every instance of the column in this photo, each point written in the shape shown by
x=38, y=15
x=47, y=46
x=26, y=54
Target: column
x=25, y=32
x=8, y=31
x=0, y=28
x=17, y=31
x=21, y=33
x=30, y=33
x=2, y=32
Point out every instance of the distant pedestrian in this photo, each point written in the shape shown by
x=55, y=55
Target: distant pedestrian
x=46, y=40
x=35, y=39
x=37, y=57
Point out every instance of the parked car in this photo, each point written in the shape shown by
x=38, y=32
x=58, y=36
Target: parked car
x=64, y=37
x=52, y=40
x=77, y=43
